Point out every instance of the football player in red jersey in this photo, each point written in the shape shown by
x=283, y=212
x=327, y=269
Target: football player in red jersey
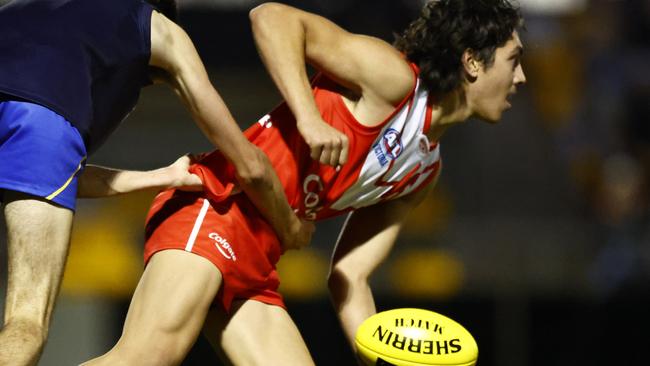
x=382, y=109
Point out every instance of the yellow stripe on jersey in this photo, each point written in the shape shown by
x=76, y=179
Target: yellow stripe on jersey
x=67, y=183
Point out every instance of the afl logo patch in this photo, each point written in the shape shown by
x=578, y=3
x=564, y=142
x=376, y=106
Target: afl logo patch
x=390, y=146
x=392, y=141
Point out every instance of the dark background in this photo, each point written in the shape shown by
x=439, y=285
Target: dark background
x=536, y=238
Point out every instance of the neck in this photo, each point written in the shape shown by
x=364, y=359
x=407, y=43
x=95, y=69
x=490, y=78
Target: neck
x=450, y=110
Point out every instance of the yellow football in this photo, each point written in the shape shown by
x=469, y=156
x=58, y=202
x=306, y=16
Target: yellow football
x=414, y=337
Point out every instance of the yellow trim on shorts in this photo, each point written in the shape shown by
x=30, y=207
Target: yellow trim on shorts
x=67, y=183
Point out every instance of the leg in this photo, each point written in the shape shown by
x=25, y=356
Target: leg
x=167, y=311
x=38, y=235
x=256, y=334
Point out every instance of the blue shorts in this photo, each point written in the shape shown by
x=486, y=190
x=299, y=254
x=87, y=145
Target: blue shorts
x=41, y=153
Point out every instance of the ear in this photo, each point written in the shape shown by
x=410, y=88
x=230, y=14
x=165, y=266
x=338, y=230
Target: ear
x=470, y=64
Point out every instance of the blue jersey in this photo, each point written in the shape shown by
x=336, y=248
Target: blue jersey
x=84, y=59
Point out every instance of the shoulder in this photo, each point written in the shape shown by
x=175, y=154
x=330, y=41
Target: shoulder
x=161, y=28
x=168, y=42
x=389, y=76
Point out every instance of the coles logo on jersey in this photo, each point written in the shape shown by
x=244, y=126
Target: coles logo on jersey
x=389, y=147
x=223, y=246
x=311, y=187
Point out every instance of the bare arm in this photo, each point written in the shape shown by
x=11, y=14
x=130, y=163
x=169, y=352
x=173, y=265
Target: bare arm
x=98, y=181
x=173, y=51
x=360, y=249
x=287, y=38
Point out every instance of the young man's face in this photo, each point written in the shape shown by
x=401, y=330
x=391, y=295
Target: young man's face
x=493, y=85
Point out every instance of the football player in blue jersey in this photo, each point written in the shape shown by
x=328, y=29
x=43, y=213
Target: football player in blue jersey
x=70, y=72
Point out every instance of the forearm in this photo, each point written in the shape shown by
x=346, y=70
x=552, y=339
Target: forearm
x=256, y=177
x=259, y=181
x=360, y=250
x=97, y=181
x=353, y=302
x=267, y=194
x=255, y=174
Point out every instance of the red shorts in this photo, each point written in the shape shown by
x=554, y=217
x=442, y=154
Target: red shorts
x=232, y=234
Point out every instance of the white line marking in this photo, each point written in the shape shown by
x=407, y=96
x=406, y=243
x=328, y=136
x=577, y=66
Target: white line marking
x=197, y=226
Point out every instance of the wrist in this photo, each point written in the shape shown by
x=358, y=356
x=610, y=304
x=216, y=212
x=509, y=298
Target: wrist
x=288, y=227
x=161, y=178
x=308, y=116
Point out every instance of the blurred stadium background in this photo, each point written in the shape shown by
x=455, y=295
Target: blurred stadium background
x=537, y=238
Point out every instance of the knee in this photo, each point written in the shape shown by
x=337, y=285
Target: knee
x=151, y=352
x=160, y=354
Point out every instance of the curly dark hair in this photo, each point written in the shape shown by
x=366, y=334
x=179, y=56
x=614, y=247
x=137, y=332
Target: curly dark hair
x=446, y=28
x=168, y=8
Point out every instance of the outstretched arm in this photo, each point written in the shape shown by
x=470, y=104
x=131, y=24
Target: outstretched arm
x=98, y=181
x=173, y=51
x=360, y=249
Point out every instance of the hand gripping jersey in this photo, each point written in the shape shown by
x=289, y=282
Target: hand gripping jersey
x=387, y=161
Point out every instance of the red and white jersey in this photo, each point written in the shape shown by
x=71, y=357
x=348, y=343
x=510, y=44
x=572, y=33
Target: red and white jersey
x=386, y=161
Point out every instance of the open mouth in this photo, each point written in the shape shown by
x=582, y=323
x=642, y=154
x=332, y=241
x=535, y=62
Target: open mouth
x=509, y=98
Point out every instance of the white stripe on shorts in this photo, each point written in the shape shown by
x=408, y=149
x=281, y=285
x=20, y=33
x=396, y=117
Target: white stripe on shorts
x=197, y=225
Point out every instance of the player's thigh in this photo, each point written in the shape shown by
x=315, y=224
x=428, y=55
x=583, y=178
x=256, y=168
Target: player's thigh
x=170, y=304
x=38, y=236
x=256, y=334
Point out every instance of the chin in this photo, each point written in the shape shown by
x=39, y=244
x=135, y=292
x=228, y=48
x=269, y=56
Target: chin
x=490, y=115
x=491, y=119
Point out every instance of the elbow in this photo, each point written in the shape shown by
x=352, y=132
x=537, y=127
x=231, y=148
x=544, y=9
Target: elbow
x=266, y=19
x=342, y=282
x=254, y=178
x=261, y=12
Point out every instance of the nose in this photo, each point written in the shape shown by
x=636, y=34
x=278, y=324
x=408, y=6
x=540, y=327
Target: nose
x=520, y=77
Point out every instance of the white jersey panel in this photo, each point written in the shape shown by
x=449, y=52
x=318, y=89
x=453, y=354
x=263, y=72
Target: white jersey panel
x=399, y=161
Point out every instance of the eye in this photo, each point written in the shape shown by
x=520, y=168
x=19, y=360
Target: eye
x=515, y=62
x=515, y=58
